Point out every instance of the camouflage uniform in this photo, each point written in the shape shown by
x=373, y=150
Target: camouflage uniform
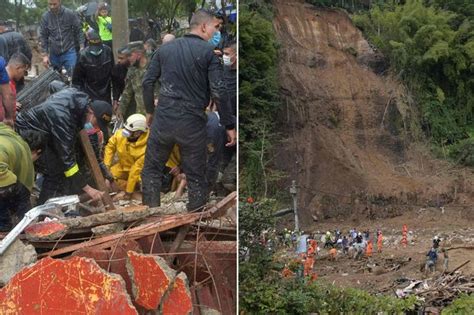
x=131, y=100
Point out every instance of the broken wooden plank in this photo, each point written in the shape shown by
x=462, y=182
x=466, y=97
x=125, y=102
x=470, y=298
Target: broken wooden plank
x=156, y=225
x=459, y=267
x=183, y=230
x=54, y=286
x=95, y=169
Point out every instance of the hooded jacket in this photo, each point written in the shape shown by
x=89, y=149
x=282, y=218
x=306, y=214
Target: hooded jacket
x=93, y=72
x=60, y=117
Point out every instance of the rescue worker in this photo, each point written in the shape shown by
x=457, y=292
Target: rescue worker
x=436, y=241
x=215, y=148
x=16, y=43
x=150, y=47
x=379, y=241
x=229, y=163
x=16, y=68
x=104, y=22
x=345, y=245
x=17, y=172
x=431, y=259
x=61, y=36
x=189, y=73
x=7, y=111
x=129, y=144
x=131, y=101
x=60, y=118
x=328, y=240
x=368, y=251
x=93, y=71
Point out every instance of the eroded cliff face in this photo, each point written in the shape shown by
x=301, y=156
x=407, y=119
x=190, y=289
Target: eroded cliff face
x=345, y=124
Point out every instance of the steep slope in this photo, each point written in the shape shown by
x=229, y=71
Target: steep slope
x=345, y=125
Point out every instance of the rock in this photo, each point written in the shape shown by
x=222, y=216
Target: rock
x=108, y=229
x=17, y=256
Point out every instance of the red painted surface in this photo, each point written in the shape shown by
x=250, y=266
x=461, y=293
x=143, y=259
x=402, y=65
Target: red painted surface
x=178, y=301
x=149, y=278
x=44, y=229
x=74, y=286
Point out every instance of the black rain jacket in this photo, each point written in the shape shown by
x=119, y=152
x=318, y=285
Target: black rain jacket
x=60, y=117
x=191, y=73
x=93, y=72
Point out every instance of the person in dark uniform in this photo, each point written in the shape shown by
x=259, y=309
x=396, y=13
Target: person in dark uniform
x=60, y=118
x=190, y=74
x=93, y=71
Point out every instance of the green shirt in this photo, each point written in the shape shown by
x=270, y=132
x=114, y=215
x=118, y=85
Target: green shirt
x=17, y=154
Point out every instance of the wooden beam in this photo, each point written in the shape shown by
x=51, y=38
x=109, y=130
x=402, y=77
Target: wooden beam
x=95, y=169
x=178, y=241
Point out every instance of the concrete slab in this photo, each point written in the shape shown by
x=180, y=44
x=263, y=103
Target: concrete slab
x=74, y=286
x=178, y=301
x=151, y=277
x=14, y=259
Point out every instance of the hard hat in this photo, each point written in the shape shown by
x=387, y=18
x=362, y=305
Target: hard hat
x=136, y=122
x=328, y=233
x=360, y=234
x=436, y=237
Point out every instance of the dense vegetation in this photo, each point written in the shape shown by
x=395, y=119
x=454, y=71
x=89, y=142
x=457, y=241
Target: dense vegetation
x=432, y=50
x=258, y=92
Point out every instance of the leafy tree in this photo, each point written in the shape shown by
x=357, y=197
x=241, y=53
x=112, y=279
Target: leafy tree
x=259, y=100
x=433, y=51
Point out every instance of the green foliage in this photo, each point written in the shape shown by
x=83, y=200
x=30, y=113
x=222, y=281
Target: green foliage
x=274, y=295
x=432, y=50
x=253, y=219
x=258, y=98
x=462, y=305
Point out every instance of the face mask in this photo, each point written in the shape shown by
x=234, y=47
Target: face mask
x=227, y=60
x=88, y=126
x=126, y=133
x=216, y=38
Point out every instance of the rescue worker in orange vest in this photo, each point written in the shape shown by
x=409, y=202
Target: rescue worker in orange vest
x=129, y=144
x=379, y=241
x=368, y=252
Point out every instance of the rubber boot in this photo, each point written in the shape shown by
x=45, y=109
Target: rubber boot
x=151, y=199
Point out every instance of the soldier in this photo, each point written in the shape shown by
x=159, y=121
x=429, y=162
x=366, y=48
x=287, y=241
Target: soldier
x=133, y=83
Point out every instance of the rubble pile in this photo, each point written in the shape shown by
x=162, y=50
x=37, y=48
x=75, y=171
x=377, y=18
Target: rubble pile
x=128, y=261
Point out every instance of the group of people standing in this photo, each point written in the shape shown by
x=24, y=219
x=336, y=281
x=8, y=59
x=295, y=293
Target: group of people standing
x=177, y=104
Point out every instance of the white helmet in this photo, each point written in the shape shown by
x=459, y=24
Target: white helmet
x=136, y=122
